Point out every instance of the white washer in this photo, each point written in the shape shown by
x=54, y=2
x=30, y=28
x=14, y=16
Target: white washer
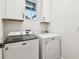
x=50, y=46
x=21, y=47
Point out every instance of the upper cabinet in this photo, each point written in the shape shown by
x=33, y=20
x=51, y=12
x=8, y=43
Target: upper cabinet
x=14, y=9
x=20, y=9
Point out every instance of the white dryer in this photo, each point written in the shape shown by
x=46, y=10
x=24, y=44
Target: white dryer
x=50, y=46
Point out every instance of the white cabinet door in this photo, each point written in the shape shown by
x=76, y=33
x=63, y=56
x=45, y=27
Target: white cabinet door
x=53, y=49
x=22, y=50
x=14, y=9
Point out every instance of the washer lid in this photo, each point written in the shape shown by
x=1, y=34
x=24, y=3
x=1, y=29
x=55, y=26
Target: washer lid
x=47, y=35
x=19, y=38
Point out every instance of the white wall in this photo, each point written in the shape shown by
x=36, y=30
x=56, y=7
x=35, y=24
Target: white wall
x=11, y=26
x=65, y=20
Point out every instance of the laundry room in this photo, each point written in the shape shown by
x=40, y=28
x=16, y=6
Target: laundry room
x=39, y=29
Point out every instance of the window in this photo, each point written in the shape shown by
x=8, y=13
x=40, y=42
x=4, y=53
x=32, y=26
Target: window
x=30, y=9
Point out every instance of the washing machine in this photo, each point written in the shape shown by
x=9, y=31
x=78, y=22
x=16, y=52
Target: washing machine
x=19, y=46
x=50, y=46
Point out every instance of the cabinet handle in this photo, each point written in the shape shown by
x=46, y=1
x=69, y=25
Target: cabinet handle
x=24, y=43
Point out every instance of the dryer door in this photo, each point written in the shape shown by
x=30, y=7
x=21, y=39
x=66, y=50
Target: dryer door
x=53, y=49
